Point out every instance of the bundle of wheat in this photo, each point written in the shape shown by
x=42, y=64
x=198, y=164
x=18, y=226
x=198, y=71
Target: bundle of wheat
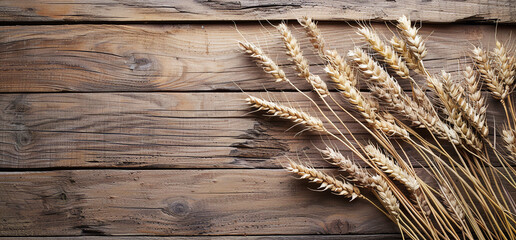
x=467, y=199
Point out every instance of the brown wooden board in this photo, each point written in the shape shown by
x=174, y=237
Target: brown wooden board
x=263, y=237
x=188, y=57
x=223, y=10
x=159, y=130
x=178, y=202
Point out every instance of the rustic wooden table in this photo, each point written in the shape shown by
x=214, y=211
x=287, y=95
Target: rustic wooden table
x=127, y=118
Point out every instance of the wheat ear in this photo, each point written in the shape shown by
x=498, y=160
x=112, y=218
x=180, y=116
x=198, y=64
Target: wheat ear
x=472, y=114
x=387, y=52
x=285, y=112
x=387, y=165
x=352, y=94
x=452, y=204
x=509, y=137
x=400, y=46
x=313, y=33
x=327, y=182
x=339, y=63
x=488, y=74
x=504, y=65
x=294, y=51
x=387, y=198
x=354, y=173
x=264, y=61
x=475, y=92
x=461, y=127
x=415, y=42
x=331, y=56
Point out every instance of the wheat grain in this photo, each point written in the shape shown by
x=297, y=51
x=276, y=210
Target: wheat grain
x=354, y=172
x=264, y=61
x=387, y=165
x=363, y=105
x=338, y=187
x=461, y=127
x=285, y=112
x=418, y=197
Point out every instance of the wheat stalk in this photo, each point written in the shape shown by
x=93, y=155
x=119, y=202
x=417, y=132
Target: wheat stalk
x=285, y=112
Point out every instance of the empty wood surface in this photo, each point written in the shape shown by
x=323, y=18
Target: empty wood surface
x=176, y=202
x=223, y=10
x=188, y=57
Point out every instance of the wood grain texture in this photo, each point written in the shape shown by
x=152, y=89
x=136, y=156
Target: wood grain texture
x=176, y=202
x=185, y=57
x=223, y=10
x=267, y=237
x=159, y=130
x=179, y=202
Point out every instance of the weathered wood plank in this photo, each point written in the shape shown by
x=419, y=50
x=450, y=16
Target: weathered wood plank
x=161, y=130
x=184, y=57
x=180, y=10
x=267, y=237
x=176, y=202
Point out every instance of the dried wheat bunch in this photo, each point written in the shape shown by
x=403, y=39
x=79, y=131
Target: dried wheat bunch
x=471, y=199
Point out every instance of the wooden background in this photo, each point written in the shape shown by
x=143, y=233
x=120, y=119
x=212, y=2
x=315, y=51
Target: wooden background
x=127, y=118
